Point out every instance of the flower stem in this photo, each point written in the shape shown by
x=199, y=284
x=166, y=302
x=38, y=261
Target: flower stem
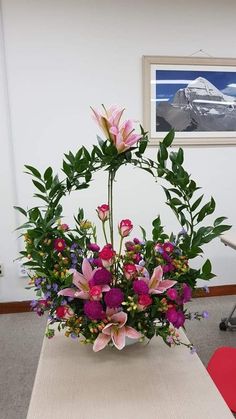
x=104, y=231
x=121, y=241
x=110, y=203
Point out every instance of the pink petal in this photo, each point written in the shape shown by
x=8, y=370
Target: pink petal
x=127, y=127
x=118, y=338
x=87, y=269
x=96, y=116
x=79, y=280
x=111, y=311
x=105, y=288
x=84, y=295
x=166, y=284
x=132, y=333
x=117, y=114
x=120, y=318
x=67, y=292
x=142, y=270
x=132, y=139
x=101, y=341
x=114, y=130
x=107, y=329
x=156, y=277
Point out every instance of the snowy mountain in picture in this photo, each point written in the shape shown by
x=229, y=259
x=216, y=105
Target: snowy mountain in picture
x=200, y=106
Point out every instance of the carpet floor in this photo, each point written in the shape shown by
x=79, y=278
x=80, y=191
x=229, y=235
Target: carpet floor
x=21, y=338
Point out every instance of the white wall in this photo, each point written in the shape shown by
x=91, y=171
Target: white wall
x=63, y=56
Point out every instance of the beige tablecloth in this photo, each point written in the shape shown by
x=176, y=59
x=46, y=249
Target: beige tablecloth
x=140, y=382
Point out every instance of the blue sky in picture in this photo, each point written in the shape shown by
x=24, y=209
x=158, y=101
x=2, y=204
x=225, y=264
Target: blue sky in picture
x=169, y=81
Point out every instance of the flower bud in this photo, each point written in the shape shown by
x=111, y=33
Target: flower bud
x=103, y=212
x=125, y=227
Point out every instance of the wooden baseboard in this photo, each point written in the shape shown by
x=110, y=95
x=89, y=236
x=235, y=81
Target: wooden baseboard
x=15, y=307
x=217, y=291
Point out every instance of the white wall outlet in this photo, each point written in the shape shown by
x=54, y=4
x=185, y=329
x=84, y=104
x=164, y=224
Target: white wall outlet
x=1, y=269
x=22, y=271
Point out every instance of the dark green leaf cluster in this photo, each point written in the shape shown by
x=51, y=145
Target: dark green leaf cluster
x=180, y=189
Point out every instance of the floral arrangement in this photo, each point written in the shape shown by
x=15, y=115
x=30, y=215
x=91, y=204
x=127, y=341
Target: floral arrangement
x=104, y=295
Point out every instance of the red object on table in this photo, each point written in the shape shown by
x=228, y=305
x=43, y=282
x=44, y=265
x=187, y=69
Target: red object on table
x=222, y=369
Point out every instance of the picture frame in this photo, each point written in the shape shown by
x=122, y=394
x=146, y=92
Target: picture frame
x=194, y=95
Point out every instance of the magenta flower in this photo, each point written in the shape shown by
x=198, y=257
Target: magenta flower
x=168, y=247
x=144, y=301
x=82, y=283
x=116, y=331
x=114, y=298
x=94, y=310
x=101, y=277
x=130, y=270
x=140, y=287
x=59, y=245
x=177, y=318
x=187, y=293
x=172, y=294
x=93, y=247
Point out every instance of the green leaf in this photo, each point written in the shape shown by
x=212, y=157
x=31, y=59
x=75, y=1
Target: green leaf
x=36, y=195
x=39, y=186
x=67, y=169
x=34, y=171
x=48, y=174
x=143, y=233
x=219, y=221
x=175, y=201
x=180, y=156
x=21, y=210
x=206, y=269
x=196, y=203
x=142, y=146
x=206, y=210
x=176, y=191
x=220, y=229
x=169, y=138
x=100, y=142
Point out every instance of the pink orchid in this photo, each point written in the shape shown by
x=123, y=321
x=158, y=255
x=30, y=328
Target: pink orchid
x=116, y=331
x=156, y=284
x=82, y=283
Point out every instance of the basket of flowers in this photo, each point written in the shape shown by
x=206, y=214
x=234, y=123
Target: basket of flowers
x=113, y=296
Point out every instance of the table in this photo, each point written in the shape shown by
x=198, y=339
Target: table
x=151, y=382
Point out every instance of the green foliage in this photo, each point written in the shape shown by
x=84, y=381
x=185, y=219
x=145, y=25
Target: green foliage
x=181, y=196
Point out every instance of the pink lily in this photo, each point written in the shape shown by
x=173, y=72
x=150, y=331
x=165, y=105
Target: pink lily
x=81, y=281
x=116, y=331
x=156, y=284
x=111, y=118
x=124, y=136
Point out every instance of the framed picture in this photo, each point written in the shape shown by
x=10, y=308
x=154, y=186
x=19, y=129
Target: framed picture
x=196, y=96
